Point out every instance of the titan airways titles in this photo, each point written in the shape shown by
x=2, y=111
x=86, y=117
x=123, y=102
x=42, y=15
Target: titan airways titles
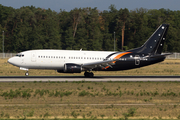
x=73, y=61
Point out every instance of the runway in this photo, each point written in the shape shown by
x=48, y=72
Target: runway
x=95, y=79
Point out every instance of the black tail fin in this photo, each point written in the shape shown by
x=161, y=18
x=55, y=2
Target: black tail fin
x=155, y=43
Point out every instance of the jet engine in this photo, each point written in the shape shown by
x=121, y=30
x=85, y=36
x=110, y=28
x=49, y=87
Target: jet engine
x=72, y=68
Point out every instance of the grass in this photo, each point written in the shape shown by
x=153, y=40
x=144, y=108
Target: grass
x=167, y=67
x=94, y=118
x=64, y=100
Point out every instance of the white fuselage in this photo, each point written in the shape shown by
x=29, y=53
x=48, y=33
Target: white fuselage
x=55, y=59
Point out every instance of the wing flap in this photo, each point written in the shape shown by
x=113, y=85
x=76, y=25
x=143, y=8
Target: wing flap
x=103, y=64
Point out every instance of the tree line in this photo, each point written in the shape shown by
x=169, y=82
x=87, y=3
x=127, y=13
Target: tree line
x=88, y=28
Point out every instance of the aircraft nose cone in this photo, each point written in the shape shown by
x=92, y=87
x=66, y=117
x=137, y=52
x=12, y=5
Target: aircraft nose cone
x=14, y=61
x=10, y=60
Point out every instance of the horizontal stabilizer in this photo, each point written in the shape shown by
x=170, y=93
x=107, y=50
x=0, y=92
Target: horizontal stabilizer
x=160, y=55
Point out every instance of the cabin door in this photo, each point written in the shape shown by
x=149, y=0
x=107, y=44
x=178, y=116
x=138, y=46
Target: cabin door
x=22, y=58
x=137, y=59
x=33, y=57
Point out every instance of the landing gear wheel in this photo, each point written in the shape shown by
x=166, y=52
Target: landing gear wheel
x=86, y=74
x=89, y=74
x=26, y=74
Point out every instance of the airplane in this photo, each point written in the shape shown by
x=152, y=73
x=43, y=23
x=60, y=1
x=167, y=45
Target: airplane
x=76, y=61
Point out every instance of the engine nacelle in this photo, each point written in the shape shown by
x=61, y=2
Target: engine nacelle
x=60, y=71
x=72, y=68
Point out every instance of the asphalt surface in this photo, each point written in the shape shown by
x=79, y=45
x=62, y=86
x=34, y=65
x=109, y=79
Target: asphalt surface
x=94, y=79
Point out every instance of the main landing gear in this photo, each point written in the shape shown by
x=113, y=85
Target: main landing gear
x=89, y=74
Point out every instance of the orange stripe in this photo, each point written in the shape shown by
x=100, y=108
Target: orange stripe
x=120, y=55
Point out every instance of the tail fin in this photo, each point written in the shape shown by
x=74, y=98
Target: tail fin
x=155, y=43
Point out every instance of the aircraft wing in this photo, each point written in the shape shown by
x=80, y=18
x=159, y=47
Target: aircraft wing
x=102, y=64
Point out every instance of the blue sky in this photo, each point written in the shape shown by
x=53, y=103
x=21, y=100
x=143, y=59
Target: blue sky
x=101, y=5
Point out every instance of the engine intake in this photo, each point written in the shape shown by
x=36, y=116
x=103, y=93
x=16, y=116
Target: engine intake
x=72, y=68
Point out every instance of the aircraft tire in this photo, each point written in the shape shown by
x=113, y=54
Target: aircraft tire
x=86, y=74
x=26, y=74
x=89, y=74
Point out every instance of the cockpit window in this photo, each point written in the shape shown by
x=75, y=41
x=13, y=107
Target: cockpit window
x=20, y=55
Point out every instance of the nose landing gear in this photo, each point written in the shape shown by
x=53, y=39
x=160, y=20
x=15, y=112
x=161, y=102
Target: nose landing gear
x=26, y=69
x=27, y=74
x=89, y=74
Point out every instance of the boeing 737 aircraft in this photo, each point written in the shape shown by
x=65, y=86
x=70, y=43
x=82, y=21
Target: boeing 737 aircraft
x=76, y=61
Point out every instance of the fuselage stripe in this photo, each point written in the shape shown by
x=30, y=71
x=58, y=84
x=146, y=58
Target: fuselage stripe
x=122, y=54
